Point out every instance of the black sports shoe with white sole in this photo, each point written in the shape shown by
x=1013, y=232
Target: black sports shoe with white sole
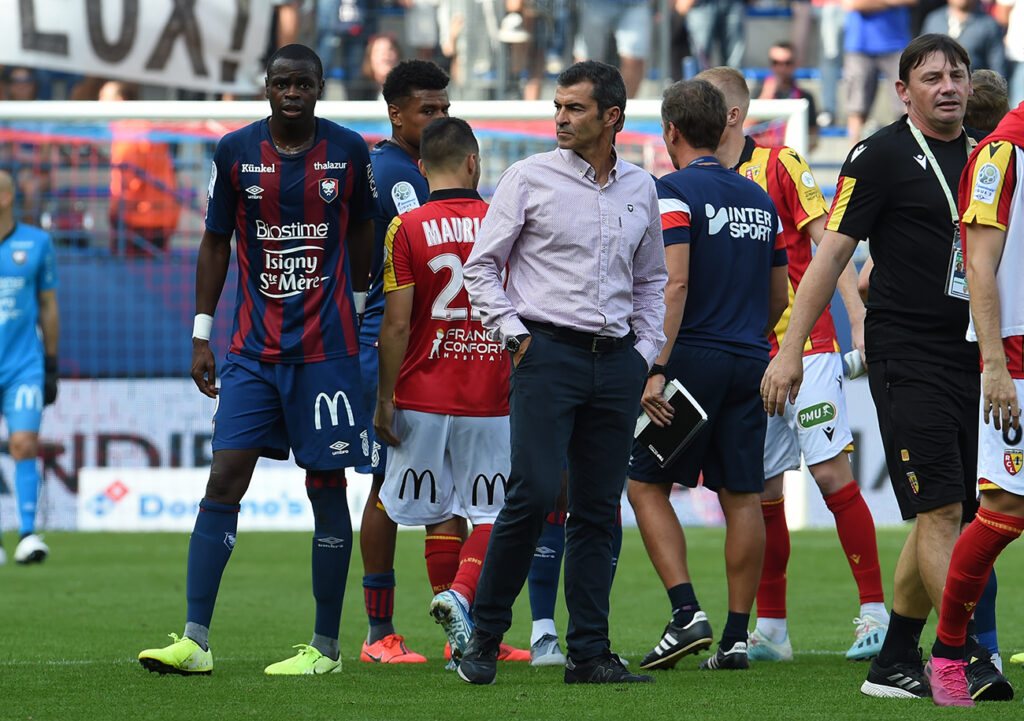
x=678, y=640
x=735, y=659
x=903, y=679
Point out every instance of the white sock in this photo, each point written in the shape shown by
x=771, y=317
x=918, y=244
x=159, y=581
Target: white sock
x=774, y=628
x=542, y=627
x=463, y=601
x=876, y=609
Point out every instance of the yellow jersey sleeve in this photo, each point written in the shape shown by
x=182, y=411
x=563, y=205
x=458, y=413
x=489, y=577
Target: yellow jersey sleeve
x=992, y=185
x=396, y=260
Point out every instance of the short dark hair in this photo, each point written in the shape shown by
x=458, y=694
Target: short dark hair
x=924, y=45
x=446, y=142
x=784, y=45
x=411, y=75
x=988, y=104
x=609, y=88
x=697, y=109
x=299, y=53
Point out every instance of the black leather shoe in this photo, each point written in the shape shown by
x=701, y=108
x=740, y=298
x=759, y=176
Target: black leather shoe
x=606, y=668
x=479, y=662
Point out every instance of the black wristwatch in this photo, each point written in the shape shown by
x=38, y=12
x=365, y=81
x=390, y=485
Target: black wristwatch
x=656, y=370
x=513, y=342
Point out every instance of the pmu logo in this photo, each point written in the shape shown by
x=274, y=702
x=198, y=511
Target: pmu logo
x=28, y=398
x=417, y=484
x=104, y=503
x=816, y=415
x=332, y=409
x=490, y=485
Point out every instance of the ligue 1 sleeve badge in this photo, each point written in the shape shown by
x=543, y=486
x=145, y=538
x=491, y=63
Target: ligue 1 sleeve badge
x=329, y=189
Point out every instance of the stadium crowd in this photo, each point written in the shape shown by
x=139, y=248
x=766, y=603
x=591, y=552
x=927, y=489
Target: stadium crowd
x=593, y=338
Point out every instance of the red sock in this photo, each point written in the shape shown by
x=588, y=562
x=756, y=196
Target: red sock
x=856, y=529
x=471, y=560
x=442, y=554
x=771, y=593
x=975, y=552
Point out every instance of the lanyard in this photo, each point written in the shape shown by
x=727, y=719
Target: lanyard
x=919, y=137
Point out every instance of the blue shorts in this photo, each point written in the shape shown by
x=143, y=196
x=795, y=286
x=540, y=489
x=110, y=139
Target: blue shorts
x=729, y=449
x=21, y=399
x=313, y=409
x=368, y=368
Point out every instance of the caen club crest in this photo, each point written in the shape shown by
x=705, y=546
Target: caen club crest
x=329, y=189
x=19, y=257
x=1013, y=459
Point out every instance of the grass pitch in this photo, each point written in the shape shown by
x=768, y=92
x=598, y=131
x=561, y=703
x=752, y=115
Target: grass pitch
x=70, y=631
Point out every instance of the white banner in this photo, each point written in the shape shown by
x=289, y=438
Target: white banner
x=205, y=45
x=165, y=499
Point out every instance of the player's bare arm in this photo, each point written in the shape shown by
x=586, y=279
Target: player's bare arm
x=677, y=260
x=211, y=270
x=394, y=339
x=785, y=372
x=999, y=395
x=847, y=287
x=360, y=253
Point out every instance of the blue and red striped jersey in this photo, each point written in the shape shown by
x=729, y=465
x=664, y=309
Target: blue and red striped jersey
x=290, y=216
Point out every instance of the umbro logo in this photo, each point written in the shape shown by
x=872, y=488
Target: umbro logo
x=330, y=542
x=922, y=161
x=339, y=448
x=255, y=192
x=544, y=552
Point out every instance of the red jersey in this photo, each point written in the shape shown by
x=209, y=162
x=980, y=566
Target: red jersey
x=786, y=177
x=452, y=365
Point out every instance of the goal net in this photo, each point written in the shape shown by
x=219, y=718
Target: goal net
x=127, y=298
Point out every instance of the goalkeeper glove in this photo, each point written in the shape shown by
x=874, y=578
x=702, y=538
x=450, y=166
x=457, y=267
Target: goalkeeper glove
x=50, y=380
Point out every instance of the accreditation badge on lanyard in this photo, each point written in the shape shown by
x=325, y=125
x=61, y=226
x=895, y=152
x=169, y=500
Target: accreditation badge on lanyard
x=956, y=275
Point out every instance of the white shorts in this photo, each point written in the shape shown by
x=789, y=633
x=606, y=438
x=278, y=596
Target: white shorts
x=446, y=465
x=817, y=425
x=1001, y=453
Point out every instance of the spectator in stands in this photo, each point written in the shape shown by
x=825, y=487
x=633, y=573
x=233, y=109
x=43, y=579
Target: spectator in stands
x=144, y=205
x=346, y=25
x=977, y=31
x=781, y=84
x=31, y=163
x=630, y=22
x=1010, y=14
x=382, y=54
x=423, y=26
x=830, y=16
x=988, y=104
x=679, y=42
x=711, y=20
x=876, y=33
x=541, y=49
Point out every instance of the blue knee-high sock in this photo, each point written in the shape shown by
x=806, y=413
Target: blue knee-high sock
x=209, y=549
x=985, y=615
x=332, y=547
x=26, y=484
x=547, y=566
